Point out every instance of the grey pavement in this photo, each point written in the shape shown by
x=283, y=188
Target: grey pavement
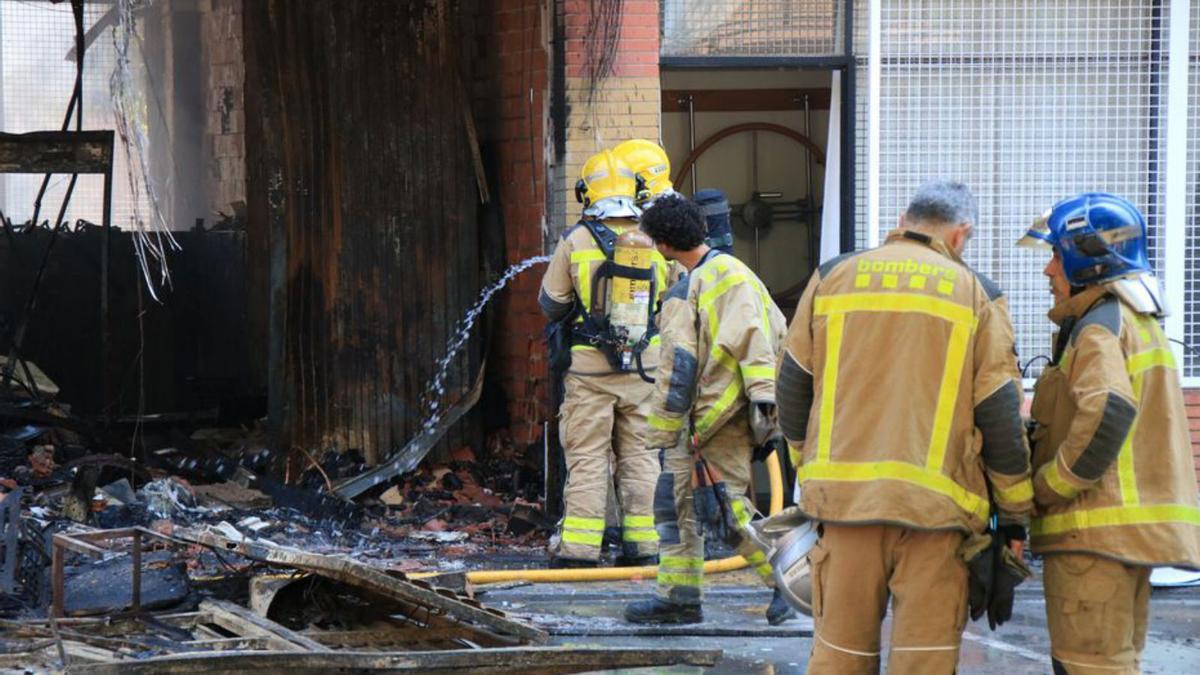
x=591, y=614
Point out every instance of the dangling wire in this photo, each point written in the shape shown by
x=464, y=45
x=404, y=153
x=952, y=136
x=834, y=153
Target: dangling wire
x=152, y=238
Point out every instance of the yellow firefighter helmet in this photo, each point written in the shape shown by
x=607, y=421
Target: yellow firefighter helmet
x=651, y=165
x=607, y=187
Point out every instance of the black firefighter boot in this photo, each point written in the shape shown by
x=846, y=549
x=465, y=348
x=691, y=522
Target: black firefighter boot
x=657, y=610
x=779, y=610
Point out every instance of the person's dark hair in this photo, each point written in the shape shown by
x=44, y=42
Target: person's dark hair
x=676, y=221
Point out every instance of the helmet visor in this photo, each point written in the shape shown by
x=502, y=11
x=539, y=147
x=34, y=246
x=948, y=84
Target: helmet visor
x=1038, y=234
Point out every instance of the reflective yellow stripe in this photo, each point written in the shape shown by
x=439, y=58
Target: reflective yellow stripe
x=894, y=302
x=724, y=358
x=764, y=570
x=680, y=579
x=833, y=345
x=901, y=471
x=1015, y=494
x=723, y=403
x=580, y=348
x=707, y=298
x=638, y=521
x=741, y=515
x=657, y=339
x=956, y=356
x=1114, y=516
x=1057, y=483
x=638, y=536
x=587, y=539
x=583, y=270
x=756, y=558
x=1143, y=361
x=660, y=271
x=665, y=423
x=584, y=523
x=1125, y=471
x=759, y=372
x=681, y=563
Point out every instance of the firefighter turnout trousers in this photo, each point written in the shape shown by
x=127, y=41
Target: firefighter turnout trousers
x=603, y=416
x=681, y=538
x=855, y=568
x=1097, y=610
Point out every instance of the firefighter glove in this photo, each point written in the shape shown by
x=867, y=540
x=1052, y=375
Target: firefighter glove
x=763, y=425
x=1009, y=572
x=976, y=552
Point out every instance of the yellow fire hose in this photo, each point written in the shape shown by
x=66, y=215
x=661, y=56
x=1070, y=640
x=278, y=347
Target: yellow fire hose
x=737, y=562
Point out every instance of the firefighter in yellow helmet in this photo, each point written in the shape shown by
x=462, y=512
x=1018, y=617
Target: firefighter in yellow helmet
x=601, y=293
x=1115, y=487
x=899, y=382
x=650, y=165
x=713, y=404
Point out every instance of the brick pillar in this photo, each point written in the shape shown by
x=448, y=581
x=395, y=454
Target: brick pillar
x=625, y=104
x=514, y=57
x=225, y=104
x=1191, y=398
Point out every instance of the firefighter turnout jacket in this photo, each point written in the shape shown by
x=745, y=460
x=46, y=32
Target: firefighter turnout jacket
x=721, y=335
x=1112, y=452
x=568, y=280
x=899, y=385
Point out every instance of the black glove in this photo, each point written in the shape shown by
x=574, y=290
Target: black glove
x=981, y=570
x=1009, y=571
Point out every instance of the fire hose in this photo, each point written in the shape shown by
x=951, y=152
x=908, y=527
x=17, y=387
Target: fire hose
x=736, y=562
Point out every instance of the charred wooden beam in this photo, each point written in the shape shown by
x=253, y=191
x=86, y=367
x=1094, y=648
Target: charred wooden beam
x=57, y=152
x=525, y=660
x=245, y=623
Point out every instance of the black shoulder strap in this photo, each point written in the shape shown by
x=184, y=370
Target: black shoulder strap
x=605, y=238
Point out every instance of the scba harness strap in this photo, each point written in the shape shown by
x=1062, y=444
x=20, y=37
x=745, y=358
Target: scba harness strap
x=594, y=329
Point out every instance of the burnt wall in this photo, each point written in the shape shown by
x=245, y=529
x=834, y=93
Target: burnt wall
x=361, y=213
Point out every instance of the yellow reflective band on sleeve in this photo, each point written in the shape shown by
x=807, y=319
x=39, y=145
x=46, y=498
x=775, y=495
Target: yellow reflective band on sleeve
x=583, y=270
x=1126, y=476
x=656, y=340
x=1114, y=516
x=1057, y=483
x=758, y=372
x=638, y=521
x=1143, y=361
x=740, y=513
x=895, y=302
x=580, y=348
x=1015, y=494
x=575, y=523
x=722, y=404
x=833, y=345
x=665, y=423
x=764, y=570
x=660, y=273
x=585, y=538
x=861, y=472
x=639, y=536
x=956, y=357
x=721, y=356
x=681, y=563
x=756, y=557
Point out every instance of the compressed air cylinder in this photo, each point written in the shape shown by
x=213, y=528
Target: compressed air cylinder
x=629, y=301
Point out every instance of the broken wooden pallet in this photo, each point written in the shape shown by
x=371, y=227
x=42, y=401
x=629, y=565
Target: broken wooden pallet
x=427, y=601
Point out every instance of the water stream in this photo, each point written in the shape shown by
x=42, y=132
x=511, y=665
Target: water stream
x=436, y=389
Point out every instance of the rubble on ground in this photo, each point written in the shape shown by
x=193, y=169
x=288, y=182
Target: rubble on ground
x=199, y=550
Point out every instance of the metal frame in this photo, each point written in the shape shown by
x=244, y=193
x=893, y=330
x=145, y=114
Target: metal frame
x=1175, y=208
x=846, y=64
x=83, y=542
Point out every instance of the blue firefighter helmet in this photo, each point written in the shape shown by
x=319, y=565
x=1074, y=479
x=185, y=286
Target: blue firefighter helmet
x=1099, y=236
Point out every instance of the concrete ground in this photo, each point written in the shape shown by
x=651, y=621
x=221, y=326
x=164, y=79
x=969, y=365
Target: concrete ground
x=590, y=614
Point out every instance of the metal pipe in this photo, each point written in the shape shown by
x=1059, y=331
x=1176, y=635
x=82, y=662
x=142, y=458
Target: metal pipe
x=136, y=602
x=691, y=105
x=810, y=190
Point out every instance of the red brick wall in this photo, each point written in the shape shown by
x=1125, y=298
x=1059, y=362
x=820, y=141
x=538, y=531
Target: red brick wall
x=514, y=57
x=1191, y=398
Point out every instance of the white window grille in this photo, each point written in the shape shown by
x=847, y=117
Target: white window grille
x=37, y=76
x=1191, y=308
x=751, y=27
x=1026, y=101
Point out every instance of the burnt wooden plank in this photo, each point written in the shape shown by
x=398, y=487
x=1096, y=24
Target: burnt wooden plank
x=247, y=624
x=56, y=152
x=526, y=660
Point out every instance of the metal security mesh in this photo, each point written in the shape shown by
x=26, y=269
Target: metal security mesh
x=751, y=27
x=37, y=75
x=1191, y=308
x=1026, y=101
